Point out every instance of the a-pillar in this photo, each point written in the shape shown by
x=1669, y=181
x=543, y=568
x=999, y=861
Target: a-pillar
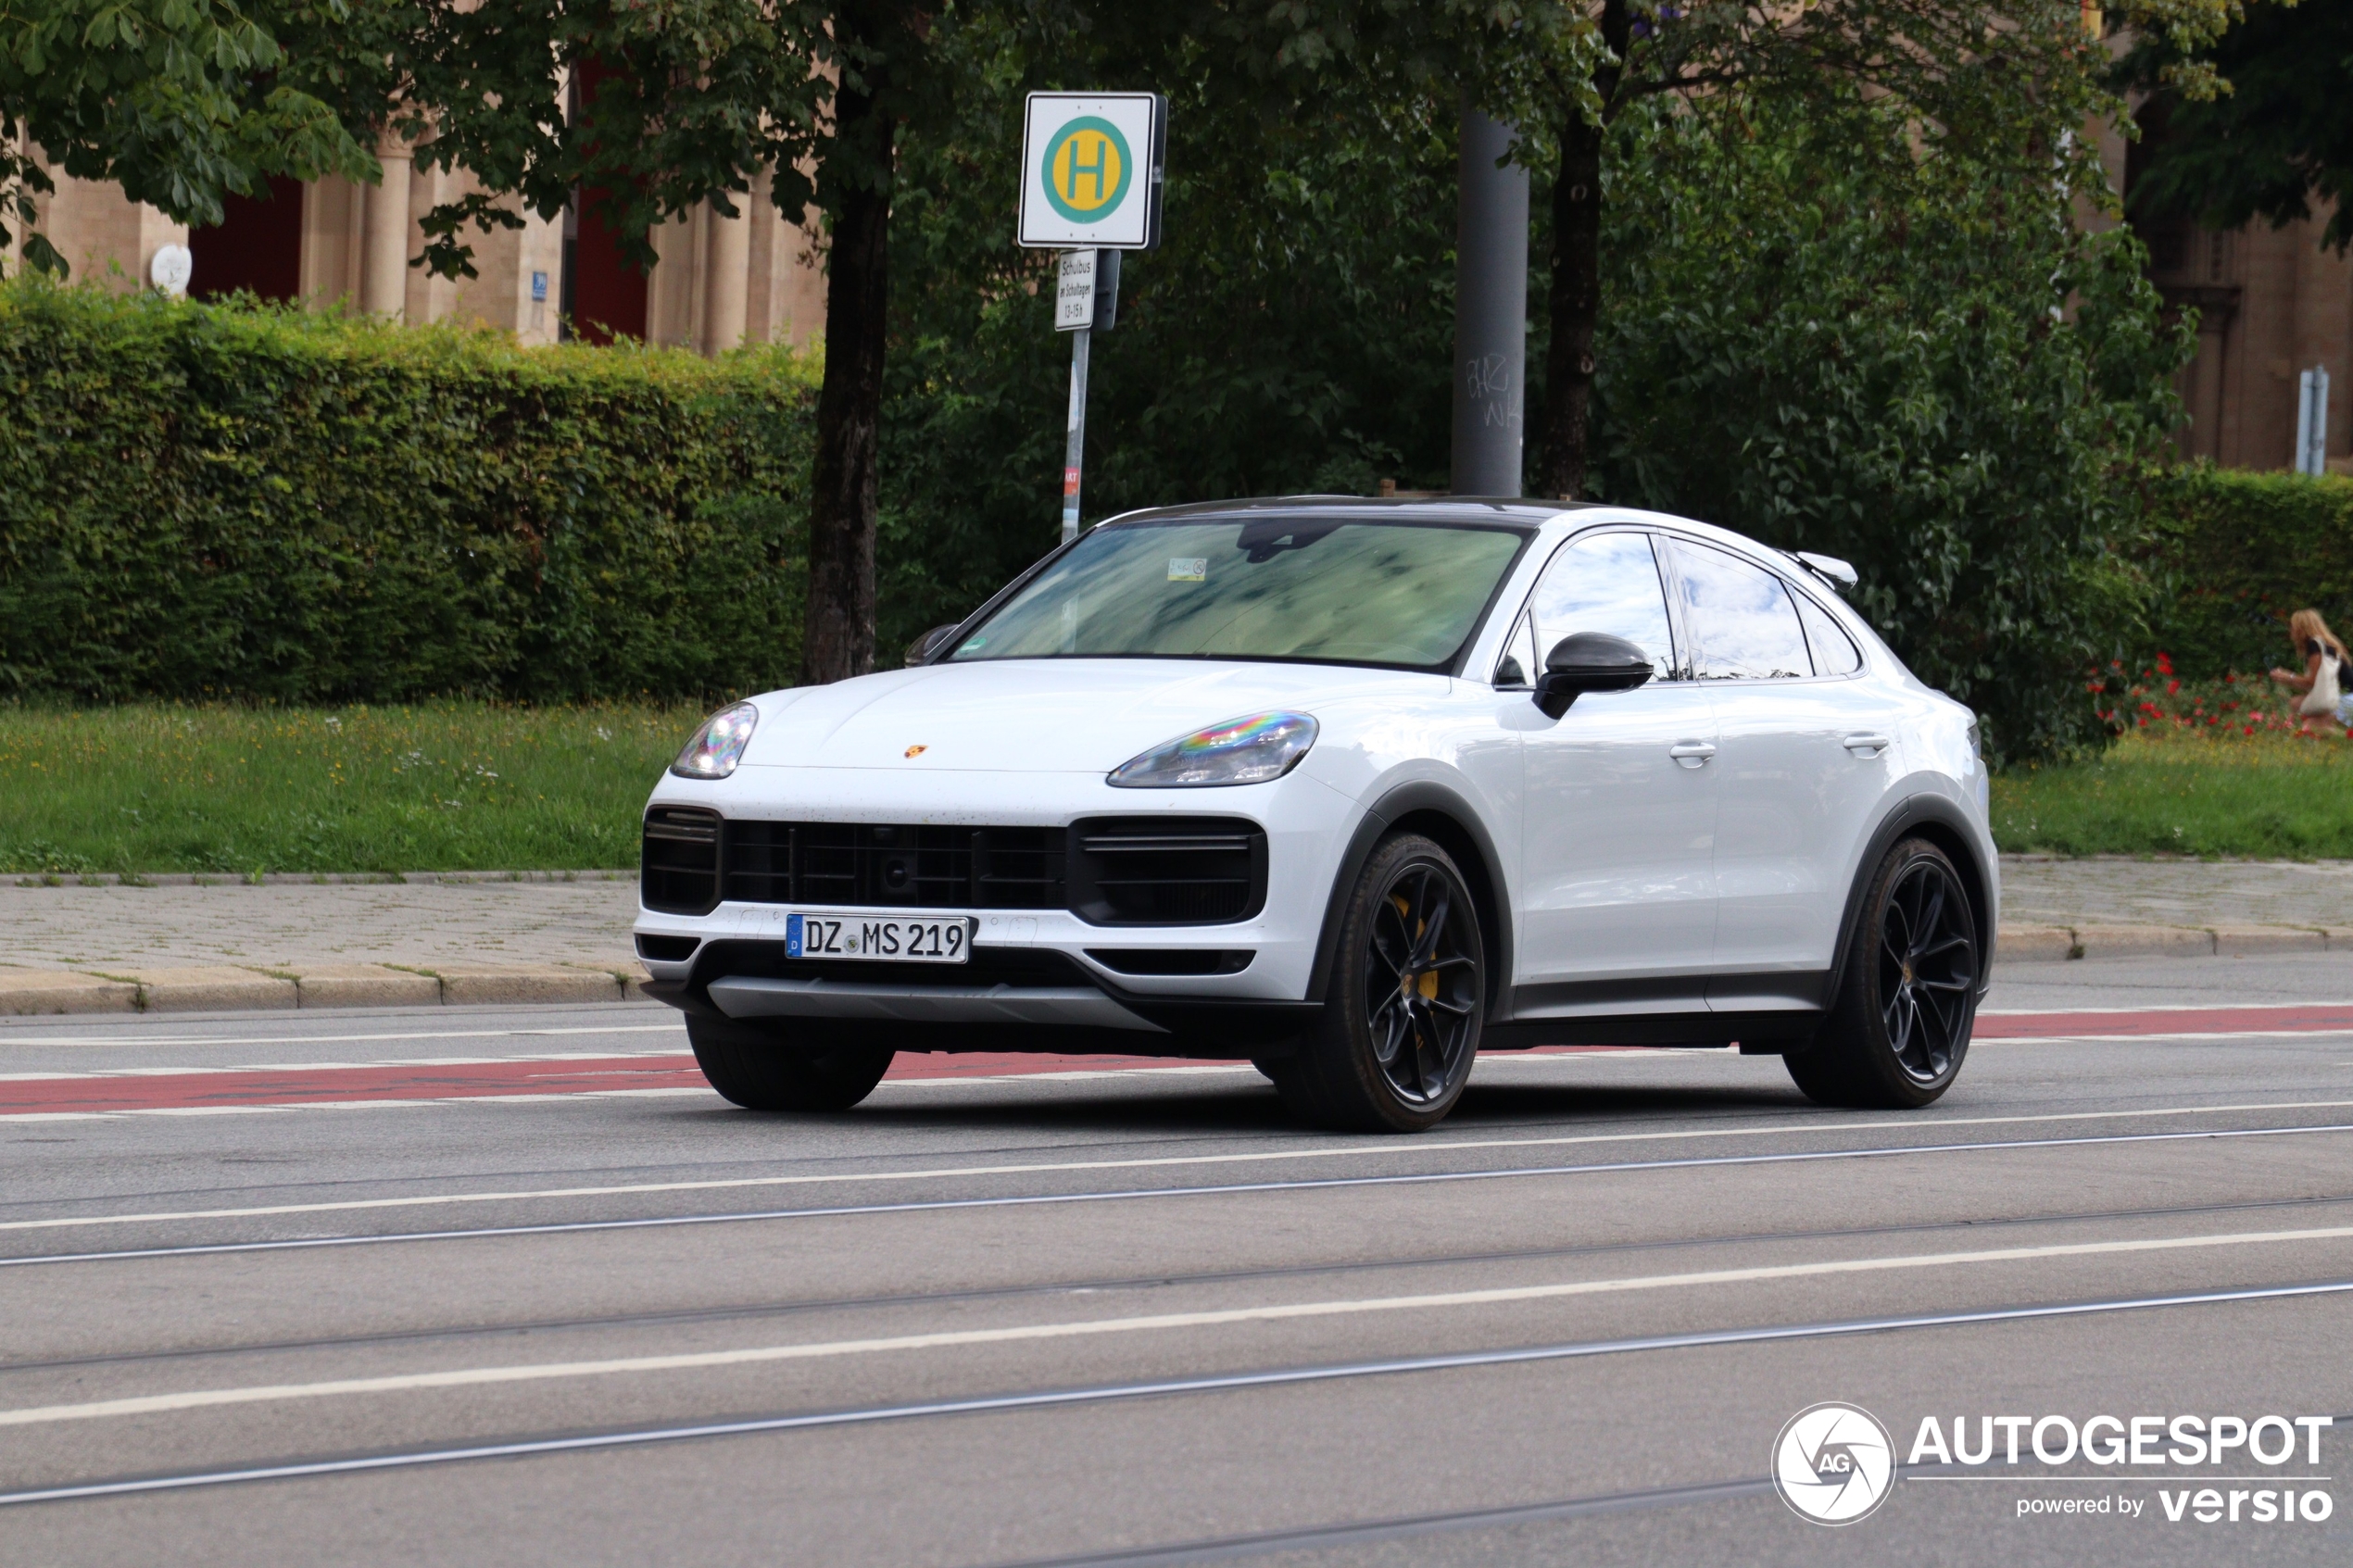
x=384, y=286
x=726, y=277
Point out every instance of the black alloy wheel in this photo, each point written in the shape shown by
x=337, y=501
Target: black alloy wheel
x=1927, y=969
x=803, y=1064
x=1407, y=999
x=1897, y=1035
x=1421, y=996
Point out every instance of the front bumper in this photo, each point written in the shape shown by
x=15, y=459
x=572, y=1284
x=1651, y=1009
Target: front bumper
x=1038, y=979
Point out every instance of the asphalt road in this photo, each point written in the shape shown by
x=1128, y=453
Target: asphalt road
x=1127, y=1315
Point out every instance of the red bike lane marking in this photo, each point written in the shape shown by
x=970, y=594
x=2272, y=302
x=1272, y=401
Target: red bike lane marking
x=2284, y=1019
x=232, y=1088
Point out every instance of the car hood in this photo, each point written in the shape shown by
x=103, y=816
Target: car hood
x=1043, y=715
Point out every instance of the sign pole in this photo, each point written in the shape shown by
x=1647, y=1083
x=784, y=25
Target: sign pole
x=1074, y=451
x=1094, y=167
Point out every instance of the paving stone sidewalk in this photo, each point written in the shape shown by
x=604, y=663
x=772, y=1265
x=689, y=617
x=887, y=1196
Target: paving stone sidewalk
x=77, y=948
x=83, y=949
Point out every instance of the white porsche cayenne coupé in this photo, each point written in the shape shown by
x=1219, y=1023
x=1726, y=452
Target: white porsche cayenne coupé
x=1353, y=789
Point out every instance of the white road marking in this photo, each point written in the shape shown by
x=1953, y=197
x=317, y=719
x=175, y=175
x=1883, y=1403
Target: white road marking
x=468, y=1377
x=2168, y=1035
x=564, y=1098
x=1360, y=1150
x=10, y=1037
x=332, y=1066
x=1054, y=1398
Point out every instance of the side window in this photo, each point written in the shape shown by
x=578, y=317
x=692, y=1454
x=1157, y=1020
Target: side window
x=1740, y=618
x=1605, y=583
x=1515, y=665
x=1833, y=649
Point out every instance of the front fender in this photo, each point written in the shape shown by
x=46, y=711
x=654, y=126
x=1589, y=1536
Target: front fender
x=1463, y=831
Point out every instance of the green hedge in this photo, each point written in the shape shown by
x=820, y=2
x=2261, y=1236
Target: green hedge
x=2235, y=554
x=208, y=500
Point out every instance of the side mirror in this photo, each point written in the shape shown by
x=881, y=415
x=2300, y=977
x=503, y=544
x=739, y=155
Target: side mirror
x=923, y=647
x=1589, y=661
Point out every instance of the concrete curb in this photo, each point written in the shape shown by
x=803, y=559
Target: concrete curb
x=2034, y=943
x=25, y=992
x=50, y=990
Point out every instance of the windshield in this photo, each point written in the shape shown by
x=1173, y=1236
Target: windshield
x=1330, y=590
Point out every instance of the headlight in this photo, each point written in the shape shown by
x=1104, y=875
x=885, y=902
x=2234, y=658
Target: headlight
x=1241, y=751
x=719, y=744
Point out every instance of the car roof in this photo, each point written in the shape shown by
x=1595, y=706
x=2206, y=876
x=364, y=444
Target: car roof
x=1432, y=510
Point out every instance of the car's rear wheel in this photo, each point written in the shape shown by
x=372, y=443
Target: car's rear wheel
x=1401, y=1018
x=812, y=1064
x=1900, y=1027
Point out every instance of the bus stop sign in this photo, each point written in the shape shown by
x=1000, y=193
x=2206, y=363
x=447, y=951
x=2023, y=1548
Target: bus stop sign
x=1091, y=168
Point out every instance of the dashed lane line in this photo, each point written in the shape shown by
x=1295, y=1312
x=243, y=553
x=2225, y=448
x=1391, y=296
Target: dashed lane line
x=1361, y=1148
x=476, y=1378
x=1130, y=1194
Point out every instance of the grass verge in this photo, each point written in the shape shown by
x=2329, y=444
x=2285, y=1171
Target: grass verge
x=2177, y=792
x=237, y=791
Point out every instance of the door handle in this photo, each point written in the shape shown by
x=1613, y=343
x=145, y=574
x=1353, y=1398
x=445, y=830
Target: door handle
x=1865, y=745
x=1690, y=753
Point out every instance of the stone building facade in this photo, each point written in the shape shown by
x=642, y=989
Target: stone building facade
x=333, y=244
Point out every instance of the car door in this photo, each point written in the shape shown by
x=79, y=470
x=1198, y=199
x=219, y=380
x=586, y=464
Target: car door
x=1804, y=751
x=1618, y=825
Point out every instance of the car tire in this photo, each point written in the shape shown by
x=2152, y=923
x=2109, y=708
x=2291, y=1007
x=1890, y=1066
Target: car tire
x=1899, y=1029
x=804, y=1065
x=1407, y=999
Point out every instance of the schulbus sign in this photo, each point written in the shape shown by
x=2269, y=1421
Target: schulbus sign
x=1091, y=171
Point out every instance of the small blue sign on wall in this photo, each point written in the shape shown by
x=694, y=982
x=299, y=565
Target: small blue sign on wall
x=539, y=286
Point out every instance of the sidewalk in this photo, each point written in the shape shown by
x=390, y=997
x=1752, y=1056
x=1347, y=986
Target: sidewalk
x=76, y=949
x=2116, y=907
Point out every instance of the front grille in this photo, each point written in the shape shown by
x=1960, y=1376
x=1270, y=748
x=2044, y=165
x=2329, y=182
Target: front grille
x=678, y=871
x=868, y=865
x=1167, y=870
x=1110, y=871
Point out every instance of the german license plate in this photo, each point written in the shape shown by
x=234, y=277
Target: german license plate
x=883, y=938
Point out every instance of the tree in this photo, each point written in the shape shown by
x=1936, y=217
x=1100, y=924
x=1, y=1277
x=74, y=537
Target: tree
x=1291, y=333
x=1831, y=334
x=642, y=111
x=1956, y=68
x=180, y=102
x=2258, y=122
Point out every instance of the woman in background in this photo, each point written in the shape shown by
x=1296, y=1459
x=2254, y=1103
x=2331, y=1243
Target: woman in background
x=2322, y=684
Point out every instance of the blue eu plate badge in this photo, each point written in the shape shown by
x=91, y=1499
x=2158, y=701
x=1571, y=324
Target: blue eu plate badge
x=792, y=937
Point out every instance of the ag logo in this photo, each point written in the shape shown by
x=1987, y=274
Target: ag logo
x=1833, y=1463
x=1087, y=170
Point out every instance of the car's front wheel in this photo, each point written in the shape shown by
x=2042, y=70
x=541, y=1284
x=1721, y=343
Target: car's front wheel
x=804, y=1064
x=1401, y=1020
x=1907, y=1000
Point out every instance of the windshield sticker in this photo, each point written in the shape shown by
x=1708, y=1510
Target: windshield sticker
x=1189, y=568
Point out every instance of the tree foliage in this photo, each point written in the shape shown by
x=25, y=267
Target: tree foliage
x=180, y=102
x=2258, y=122
x=1829, y=333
